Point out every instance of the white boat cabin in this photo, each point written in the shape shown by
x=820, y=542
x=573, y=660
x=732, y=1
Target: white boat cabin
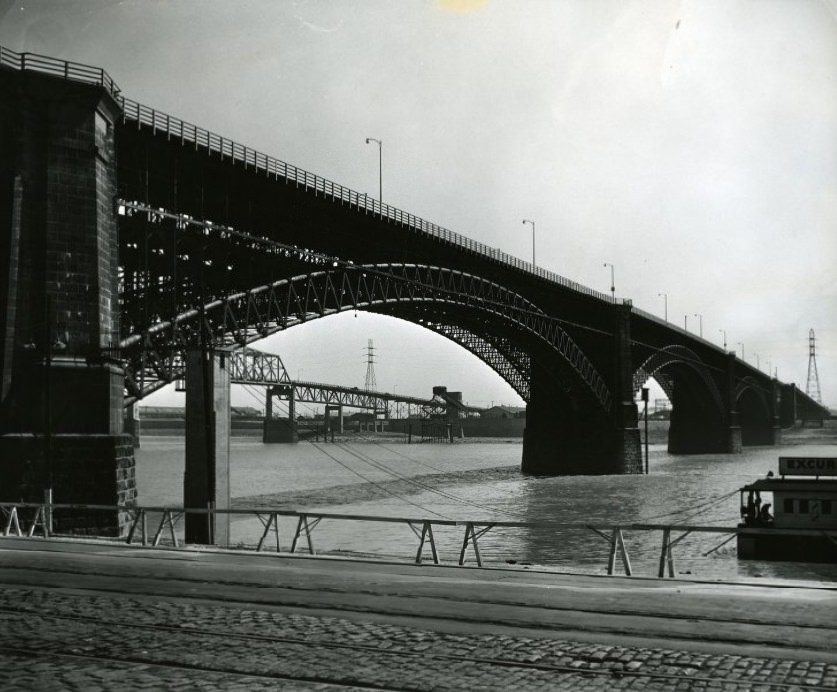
x=803, y=496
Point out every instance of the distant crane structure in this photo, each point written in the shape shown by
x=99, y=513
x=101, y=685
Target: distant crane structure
x=812, y=388
x=369, y=383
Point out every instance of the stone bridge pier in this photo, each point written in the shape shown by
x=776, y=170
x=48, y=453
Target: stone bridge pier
x=280, y=429
x=61, y=403
x=570, y=432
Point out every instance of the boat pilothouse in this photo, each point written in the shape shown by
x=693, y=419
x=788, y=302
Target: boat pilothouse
x=793, y=516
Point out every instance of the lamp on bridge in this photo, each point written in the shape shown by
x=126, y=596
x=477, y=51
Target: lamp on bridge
x=700, y=322
x=380, y=167
x=533, y=239
x=665, y=305
x=741, y=344
x=612, y=281
x=724, y=332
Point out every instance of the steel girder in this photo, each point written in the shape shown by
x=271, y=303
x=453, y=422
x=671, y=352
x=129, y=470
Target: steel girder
x=248, y=366
x=352, y=397
x=655, y=365
x=500, y=353
x=153, y=348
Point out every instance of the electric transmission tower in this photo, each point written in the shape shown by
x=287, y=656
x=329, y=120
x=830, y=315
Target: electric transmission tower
x=369, y=384
x=812, y=388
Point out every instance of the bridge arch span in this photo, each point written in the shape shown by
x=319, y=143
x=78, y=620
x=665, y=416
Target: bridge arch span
x=755, y=416
x=698, y=416
x=155, y=355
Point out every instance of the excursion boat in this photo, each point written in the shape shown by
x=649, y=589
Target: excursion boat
x=793, y=516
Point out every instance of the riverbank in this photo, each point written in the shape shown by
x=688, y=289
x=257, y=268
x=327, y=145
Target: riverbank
x=657, y=434
x=93, y=615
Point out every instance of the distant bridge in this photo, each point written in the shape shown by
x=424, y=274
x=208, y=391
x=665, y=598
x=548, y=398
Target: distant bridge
x=248, y=366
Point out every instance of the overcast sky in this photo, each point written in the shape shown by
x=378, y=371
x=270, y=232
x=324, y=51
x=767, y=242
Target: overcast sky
x=692, y=144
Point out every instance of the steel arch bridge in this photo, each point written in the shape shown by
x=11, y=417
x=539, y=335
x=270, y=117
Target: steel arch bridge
x=212, y=245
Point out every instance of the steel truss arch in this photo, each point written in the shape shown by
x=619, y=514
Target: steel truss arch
x=509, y=361
x=500, y=354
x=751, y=384
x=154, y=356
x=681, y=355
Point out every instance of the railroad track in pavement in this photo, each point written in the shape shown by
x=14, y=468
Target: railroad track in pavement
x=250, y=648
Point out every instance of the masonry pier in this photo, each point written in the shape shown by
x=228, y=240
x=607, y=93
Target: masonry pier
x=61, y=405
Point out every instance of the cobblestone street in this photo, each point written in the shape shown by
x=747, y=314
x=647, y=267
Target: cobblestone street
x=69, y=638
x=78, y=642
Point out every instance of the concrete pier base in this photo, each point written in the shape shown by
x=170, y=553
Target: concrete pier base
x=279, y=430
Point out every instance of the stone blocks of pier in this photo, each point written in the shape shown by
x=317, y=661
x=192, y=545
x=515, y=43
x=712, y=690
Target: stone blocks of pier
x=59, y=293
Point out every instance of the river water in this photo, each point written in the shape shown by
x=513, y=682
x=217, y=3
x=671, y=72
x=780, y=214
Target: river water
x=481, y=481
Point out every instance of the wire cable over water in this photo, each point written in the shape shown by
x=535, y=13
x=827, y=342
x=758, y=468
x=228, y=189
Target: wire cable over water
x=377, y=485
x=425, y=486
x=693, y=510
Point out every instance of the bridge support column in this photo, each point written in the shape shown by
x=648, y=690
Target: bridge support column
x=568, y=434
x=776, y=410
x=206, y=482
x=787, y=405
x=334, y=423
x=61, y=399
x=735, y=442
x=279, y=430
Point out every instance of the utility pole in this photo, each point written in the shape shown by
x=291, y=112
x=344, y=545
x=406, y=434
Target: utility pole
x=369, y=383
x=812, y=387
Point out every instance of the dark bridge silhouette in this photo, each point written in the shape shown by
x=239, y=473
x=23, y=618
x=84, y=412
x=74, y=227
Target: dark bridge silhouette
x=132, y=238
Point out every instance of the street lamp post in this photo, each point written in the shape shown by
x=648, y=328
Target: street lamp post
x=686, y=322
x=380, y=167
x=533, y=239
x=700, y=323
x=645, y=401
x=665, y=305
x=724, y=332
x=612, y=280
x=741, y=344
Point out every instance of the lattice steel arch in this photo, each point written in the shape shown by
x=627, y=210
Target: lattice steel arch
x=512, y=363
x=675, y=354
x=500, y=353
x=751, y=383
x=154, y=356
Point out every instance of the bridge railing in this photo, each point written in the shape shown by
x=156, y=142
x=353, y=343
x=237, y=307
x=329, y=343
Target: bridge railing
x=187, y=133
x=73, y=71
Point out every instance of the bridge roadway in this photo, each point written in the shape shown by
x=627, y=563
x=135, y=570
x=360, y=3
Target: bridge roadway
x=84, y=616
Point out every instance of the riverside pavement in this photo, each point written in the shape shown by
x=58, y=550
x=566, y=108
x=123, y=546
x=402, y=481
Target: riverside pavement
x=106, y=616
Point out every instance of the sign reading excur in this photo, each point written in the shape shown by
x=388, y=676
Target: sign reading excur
x=808, y=466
